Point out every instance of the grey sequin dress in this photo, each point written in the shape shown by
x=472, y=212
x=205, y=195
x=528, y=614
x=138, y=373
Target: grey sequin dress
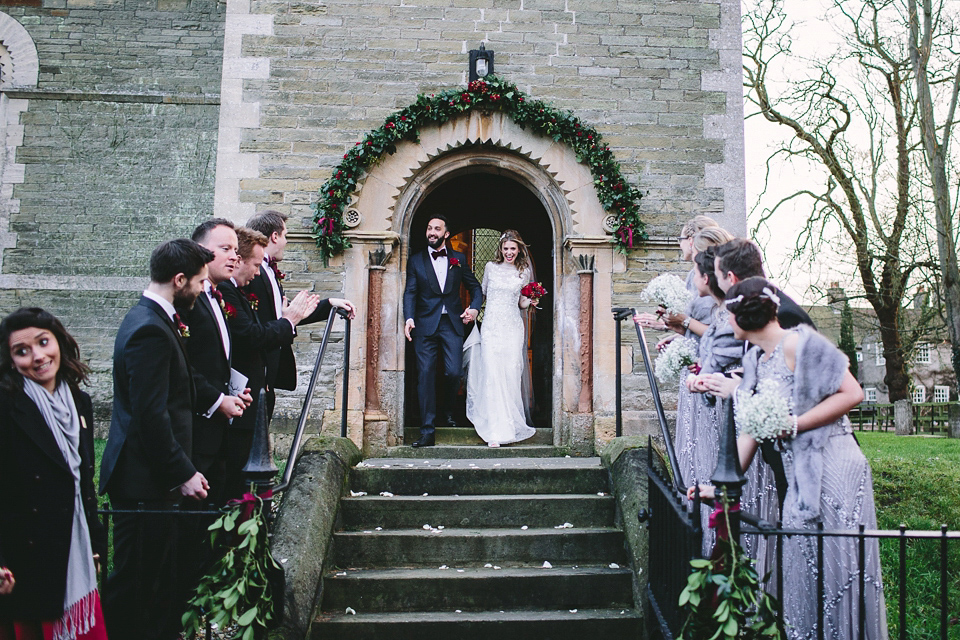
x=846, y=501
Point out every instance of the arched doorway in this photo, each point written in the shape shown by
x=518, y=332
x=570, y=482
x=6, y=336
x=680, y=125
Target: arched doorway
x=475, y=202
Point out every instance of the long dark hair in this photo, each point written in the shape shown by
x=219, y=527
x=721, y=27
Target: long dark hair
x=72, y=368
x=523, y=253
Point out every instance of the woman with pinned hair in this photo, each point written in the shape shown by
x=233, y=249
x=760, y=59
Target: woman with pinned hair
x=50, y=537
x=496, y=396
x=828, y=478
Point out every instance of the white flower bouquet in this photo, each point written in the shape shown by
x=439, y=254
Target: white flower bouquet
x=680, y=353
x=668, y=291
x=763, y=414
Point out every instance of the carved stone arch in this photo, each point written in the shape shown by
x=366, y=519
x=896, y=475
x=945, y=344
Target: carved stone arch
x=382, y=211
x=23, y=54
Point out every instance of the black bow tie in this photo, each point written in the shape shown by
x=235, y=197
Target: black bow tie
x=439, y=254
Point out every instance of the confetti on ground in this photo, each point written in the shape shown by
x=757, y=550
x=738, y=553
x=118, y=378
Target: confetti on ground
x=386, y=494
x=357, y=494
x=547, y=565
x=351, y=611
x=614, y=565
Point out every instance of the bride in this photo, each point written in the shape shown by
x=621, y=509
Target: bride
x=495, y=394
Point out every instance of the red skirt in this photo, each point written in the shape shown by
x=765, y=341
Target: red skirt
x=43, y=629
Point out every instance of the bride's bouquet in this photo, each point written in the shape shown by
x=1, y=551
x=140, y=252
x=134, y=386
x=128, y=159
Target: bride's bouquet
x=669, y=292
x=680, y=353
x=763, y=414
x=533, y=290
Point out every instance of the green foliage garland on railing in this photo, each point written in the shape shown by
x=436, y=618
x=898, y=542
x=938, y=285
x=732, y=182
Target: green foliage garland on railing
x=492, y=94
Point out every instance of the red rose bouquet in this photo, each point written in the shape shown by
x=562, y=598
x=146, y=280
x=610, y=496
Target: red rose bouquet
x=533, y=290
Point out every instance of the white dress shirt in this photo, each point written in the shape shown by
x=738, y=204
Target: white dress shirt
x=164, y=304
x=440, y=266
x=272, y=279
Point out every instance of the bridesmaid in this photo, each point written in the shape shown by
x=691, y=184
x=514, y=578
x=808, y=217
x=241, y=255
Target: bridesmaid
x=829, y=479
x=50, y=537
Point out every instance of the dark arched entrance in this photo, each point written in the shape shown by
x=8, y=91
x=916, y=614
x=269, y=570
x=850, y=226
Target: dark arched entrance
x=478, y=201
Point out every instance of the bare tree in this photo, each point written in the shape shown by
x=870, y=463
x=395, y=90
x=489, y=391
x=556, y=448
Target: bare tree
x=924, y=41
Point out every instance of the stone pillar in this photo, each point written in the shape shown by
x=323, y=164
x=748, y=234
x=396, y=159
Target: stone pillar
x=374, y=296
x=954, y=410
x=902, y=417
x=585, y=403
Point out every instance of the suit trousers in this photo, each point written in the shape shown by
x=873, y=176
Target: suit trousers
x=141, y=600
x=428, y=348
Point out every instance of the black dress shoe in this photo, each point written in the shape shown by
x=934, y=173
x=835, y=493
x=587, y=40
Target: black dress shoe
x=425, y=441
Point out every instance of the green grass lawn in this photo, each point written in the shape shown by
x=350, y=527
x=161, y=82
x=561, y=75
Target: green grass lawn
x=916, y=482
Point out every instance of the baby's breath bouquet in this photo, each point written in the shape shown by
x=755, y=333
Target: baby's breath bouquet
x=680, y=353
x=668, y=291
x=763, y=414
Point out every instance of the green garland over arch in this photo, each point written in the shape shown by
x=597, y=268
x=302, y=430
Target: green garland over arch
x=615, y=194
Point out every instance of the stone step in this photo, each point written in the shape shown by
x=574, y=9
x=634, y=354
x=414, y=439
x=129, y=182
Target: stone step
x=468, y=435
x=476, y=589
x=562, y=624
x=478, y=476
x=476, y=547
x=532, y=510
x=460, y=451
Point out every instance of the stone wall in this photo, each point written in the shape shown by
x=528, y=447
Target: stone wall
x=118, y=153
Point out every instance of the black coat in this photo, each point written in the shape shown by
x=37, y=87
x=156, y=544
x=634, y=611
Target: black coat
x=36, y=519
x=281, y=366
x=251, y=339
x=423, y=299
x=211, y=374
x=148, y=450
x=790, y=314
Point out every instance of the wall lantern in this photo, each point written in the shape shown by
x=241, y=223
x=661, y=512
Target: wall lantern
x=481, y=63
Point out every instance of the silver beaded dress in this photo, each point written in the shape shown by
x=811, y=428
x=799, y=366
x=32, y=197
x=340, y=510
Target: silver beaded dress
x=846, y=501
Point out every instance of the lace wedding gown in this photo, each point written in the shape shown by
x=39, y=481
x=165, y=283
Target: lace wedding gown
x=495, y=403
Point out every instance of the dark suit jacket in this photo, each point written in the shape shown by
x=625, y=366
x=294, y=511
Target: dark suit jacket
x=251, y=338
x=211, y=374
x=281, y=366
x=150, y=443
x=422, y=298
x=36, y=517
x=790, y=314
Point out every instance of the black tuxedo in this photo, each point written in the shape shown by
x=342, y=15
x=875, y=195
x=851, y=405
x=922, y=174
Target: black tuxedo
x=790, y=314
x=146, y=459
x=281, y=366
x=36, y=518
x=251, y=338
x=424, y=301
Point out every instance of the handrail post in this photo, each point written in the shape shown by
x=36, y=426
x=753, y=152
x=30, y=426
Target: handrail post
x=727, y=475
x=343, y=313
x=620, y=314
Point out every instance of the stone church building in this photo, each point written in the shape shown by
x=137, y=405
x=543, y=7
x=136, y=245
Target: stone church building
x=127, y=122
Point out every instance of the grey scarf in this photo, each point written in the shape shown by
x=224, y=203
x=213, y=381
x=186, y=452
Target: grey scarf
x=60, y=413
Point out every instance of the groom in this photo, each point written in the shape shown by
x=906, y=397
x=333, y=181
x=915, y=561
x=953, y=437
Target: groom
x=435, y=320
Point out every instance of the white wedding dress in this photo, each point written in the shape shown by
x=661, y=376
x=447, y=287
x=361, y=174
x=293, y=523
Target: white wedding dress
x=495, y=402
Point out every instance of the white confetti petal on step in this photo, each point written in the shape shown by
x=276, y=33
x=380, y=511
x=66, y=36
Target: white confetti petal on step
x=409, y=465
x=427, y=527
x=459, y=570
x=565, y=525
x=342, y=573
x=357, y=494
x=573, y=610
x=547, y=565
x=450, y=477
x=524, y=528
x=368, y=531
x=440, y=527
x=458, y=611
x=623, y=611
x=386, y=466
x=425, y=495
x=386, y=494
x=351, y=611
x=496, y=568
x=361, y=464
x=601, y=493
x=614, y=565
x=379, y=529
x=283, y=560
x=488, y=566
x=443, y=566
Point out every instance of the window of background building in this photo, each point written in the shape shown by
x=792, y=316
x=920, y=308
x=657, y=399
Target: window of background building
x=919, y=395
x=870, y=394
x=859, y=356
x=881, y=361
x=923, y=353
x=941, y=394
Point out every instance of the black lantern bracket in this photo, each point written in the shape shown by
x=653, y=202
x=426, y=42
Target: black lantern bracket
x=481, y=63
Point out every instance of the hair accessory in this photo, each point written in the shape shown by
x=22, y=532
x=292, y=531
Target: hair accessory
x=770, y=295
x=733, y=300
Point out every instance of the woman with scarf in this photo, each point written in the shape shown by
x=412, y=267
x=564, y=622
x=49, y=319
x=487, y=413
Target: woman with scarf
x=50, y=537
x=828, y=478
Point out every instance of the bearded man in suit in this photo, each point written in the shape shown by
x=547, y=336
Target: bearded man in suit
x=267, y=288
x=435, y=319
x=251, y=338
x=147, y=460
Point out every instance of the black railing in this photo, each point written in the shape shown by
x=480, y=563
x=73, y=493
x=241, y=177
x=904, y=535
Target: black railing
x=619, y=315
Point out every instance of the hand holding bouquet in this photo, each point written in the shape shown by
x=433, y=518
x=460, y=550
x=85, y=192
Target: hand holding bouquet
x=680, y=353
x=763, y=414
x=534, y=291
x=669, y=292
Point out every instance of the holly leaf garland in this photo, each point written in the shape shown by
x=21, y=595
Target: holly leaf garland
x=616, y=195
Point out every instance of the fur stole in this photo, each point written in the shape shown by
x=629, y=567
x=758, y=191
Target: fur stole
x=820, y=369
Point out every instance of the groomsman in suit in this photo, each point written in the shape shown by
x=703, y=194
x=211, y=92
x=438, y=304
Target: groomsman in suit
x=209, y=347
x=740, y=259
x=268, y=288
x=435, y=321
x=147, y=457
x=251, y=338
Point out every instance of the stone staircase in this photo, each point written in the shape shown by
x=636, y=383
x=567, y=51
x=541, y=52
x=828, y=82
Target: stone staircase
x=502, y=546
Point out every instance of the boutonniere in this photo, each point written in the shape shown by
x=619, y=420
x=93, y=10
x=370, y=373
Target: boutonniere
x=182, y=329
x=253, y=300
x=228, y=310
x=454, y=263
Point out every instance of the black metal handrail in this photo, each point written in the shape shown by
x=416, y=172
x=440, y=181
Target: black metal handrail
x=619, y=315
x=308, y=396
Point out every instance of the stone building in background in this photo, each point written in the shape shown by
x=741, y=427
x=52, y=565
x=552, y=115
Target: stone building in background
x=127, y=122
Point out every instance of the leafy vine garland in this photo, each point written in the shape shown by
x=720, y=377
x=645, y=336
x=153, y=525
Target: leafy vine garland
x=615, y=194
